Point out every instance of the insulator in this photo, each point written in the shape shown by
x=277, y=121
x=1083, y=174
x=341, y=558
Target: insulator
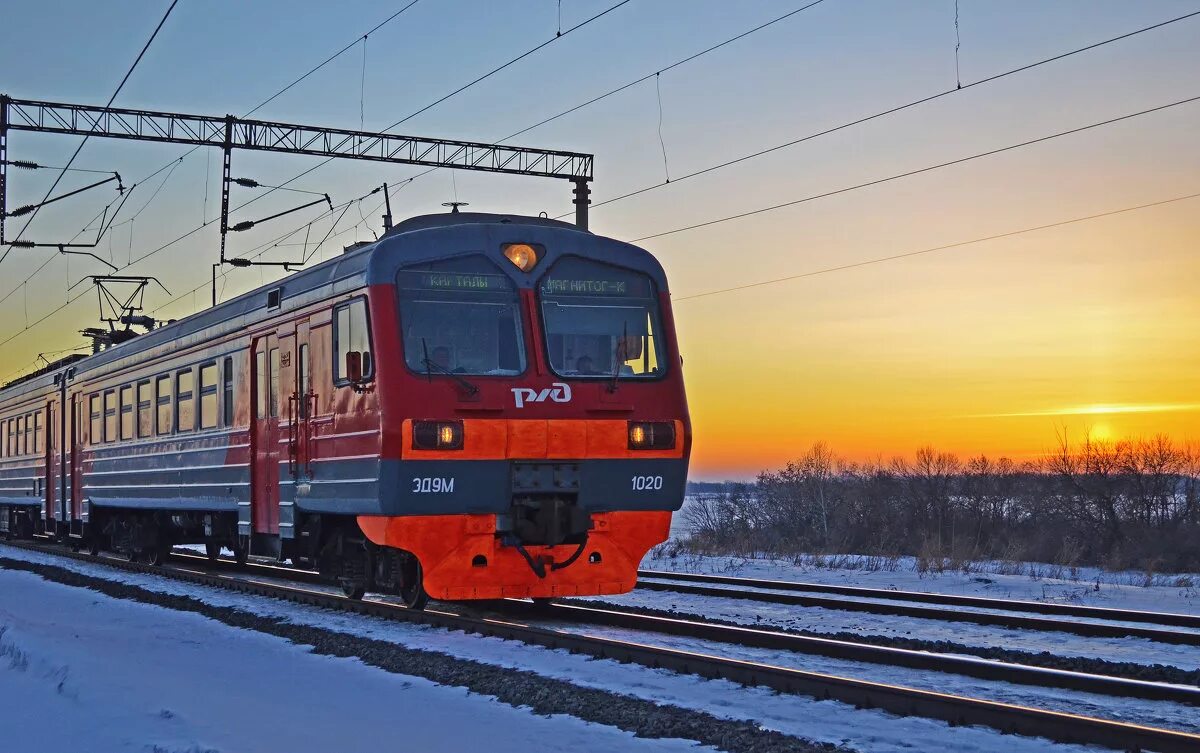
x=243, y=225
x=24, y=164
x=239, y=262
x=21, y=210
x=247, y=182
x=21, y=244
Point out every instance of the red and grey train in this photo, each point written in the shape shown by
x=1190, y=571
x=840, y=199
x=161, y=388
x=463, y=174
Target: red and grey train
x=475, y=406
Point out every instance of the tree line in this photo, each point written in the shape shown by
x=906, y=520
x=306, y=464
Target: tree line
x=1126, y=504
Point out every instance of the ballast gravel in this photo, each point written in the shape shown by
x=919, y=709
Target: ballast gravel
x=1130, y=670
x=517, y=688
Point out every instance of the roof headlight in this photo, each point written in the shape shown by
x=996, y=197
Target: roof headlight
x=523, y=256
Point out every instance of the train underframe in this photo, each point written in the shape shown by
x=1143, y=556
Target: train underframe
x=541, y=549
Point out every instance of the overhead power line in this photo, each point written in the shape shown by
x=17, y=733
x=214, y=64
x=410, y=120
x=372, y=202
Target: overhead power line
x=864, y=119
x=919, y=171
x=934, y=249
x=331, y=58
x=454, y=93
x=171, y=165
x=647, y=77
x=79, y=148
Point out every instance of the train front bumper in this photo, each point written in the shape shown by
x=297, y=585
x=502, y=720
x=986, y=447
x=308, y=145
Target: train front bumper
x=463, y=558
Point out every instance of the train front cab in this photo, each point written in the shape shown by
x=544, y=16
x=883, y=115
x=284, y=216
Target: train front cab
x=536, y=432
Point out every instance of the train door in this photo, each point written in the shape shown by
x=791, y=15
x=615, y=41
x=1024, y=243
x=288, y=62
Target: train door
x=70, y=515
x=76, y=459
x=295, y=387
x=264, y=435
x=45, y=437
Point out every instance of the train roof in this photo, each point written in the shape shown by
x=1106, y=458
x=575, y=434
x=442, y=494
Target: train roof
x=417, y=239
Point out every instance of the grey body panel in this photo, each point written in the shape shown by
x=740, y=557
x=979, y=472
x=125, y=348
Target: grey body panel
x=457, y=487
x=176, y=473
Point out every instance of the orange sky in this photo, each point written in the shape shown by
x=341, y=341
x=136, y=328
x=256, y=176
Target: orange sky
x=987, y=348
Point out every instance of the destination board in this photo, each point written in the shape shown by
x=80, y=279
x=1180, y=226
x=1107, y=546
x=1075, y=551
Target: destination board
x=455, y=281
x=595, y=286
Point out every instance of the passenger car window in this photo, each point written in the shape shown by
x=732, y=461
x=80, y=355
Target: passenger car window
x=127, y=412
x=227, y=390
x=97, y=420
x=185, y=407
x=162, y=400
x=145, y=409
x=110, y=415
x=351, y=333
x=208, y=396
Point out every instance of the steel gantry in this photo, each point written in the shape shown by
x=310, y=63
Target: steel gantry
x=229, y=133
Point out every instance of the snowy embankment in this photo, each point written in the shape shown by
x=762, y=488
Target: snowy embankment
x=1027, y=581
x=831, y=622
x=298, y=694
x=1103, y=590
x=88, y=672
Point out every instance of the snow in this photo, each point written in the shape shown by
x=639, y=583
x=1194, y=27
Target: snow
x=829, y=621
x=1136, y=711
x=1027, y=581
x=83, y=672
x=824, y=721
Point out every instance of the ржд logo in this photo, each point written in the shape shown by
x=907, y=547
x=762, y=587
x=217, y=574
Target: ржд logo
x=559, y=392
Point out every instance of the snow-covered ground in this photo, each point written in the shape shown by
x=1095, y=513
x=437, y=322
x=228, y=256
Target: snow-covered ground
x=80, y=671
x=1000, y=580
x=824, y=721
x=830, y=621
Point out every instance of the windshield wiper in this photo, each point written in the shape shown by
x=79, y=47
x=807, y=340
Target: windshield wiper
x=431, y=366
x=617, y=361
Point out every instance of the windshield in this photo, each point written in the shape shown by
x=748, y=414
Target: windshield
x=600, y=321
x=462, y=315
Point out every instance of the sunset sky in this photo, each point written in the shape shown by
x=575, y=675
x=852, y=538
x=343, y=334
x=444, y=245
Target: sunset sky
x=982, y=347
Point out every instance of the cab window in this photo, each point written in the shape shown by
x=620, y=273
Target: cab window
x=460, y=316
x=601, y=321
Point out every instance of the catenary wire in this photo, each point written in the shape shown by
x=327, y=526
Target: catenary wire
x=933, y=249
x=457, y=91
x=86, y=136
x=262, y=104
x=647, y=77
x=883, y=113
x=919, y=171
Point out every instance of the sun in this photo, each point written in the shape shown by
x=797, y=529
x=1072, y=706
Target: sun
x=1100, y=433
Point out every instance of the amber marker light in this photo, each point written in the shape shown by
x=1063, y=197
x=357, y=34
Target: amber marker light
x=437, y=435
x=651, y=435
x=522, y=255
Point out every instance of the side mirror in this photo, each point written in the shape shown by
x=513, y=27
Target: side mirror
x=354, y=366
x=629, y=347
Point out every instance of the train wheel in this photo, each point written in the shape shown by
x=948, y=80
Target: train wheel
x=241, y=550
x=212, y=551
x=412, y=589
x=542, y=602
x=352, y=588
x=156, y=555
x=94, y=545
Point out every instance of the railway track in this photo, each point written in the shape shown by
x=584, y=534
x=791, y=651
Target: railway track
x=753, y=637
x=903, y=701
x=898, y=604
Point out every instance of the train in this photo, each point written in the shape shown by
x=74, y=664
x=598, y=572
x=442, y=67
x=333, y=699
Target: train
x=473, y=406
